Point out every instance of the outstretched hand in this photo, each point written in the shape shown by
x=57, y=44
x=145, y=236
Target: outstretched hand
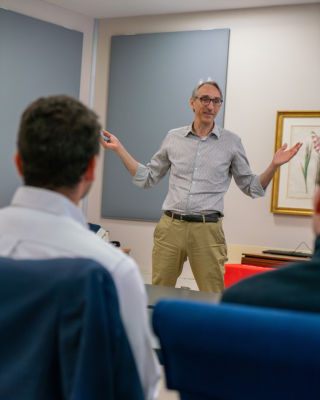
x=114, y=143
x=282, y=156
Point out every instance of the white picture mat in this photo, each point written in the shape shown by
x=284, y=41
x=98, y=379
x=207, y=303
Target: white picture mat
x=291, y=182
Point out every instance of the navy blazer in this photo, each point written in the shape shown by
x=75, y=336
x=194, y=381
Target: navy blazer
x=61, y=335
x=294, y=287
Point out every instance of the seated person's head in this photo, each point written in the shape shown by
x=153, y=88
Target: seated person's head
x=58, y=144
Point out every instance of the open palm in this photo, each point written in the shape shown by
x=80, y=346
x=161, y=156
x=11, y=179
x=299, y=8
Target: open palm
x=282, y=156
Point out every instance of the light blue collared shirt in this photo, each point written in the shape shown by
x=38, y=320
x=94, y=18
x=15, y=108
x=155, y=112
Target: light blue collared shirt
x=201, y=170
x=42, y=224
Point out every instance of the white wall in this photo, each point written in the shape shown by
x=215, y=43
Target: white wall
x=274, y=64
x=69, y=19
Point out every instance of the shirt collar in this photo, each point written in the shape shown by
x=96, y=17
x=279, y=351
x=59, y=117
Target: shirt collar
x=47, y=201
x=215, y=131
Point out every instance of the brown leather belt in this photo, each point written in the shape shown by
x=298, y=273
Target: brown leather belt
x=214, y=217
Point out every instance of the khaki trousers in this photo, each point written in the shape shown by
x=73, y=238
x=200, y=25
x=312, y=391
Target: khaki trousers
x=203, y=243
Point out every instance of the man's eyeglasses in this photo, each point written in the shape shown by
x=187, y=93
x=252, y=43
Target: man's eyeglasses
x=205, y=101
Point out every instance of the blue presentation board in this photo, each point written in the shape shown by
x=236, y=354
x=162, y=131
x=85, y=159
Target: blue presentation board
x=37, y=59
x=150, y=83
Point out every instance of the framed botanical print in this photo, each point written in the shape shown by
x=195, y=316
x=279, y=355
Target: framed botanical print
x=294, y=183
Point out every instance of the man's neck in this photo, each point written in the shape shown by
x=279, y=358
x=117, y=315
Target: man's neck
x=202, y=130
x=71, y=194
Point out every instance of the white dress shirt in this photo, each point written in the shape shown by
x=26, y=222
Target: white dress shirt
x=201, y=170
x=41, y=224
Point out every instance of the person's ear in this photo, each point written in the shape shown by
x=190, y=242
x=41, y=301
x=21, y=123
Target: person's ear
x=90, y=172
x=192, y=103
x=18, y=163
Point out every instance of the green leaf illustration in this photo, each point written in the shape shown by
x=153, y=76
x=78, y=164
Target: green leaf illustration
x=306, y=165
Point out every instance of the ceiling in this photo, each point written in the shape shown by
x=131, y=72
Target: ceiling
x=129, y=8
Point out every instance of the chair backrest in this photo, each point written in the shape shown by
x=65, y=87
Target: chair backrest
x=94, y=227
x=238, y=352
x=100, y=232
x=61, y=335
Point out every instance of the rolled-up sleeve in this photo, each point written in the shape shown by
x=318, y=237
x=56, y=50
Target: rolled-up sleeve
x=150, y=175
x=249, y=183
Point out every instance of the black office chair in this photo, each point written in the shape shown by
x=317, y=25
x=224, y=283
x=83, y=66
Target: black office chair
x=232, y=352
x=104, y=235
x=61, y=336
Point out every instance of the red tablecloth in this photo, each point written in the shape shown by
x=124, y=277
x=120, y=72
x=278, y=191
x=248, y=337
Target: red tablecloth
x=236, y=272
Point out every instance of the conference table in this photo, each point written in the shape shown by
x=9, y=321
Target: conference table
x=156, y=293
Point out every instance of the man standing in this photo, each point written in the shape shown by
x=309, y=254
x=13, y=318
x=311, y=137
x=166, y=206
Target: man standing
x=58, y=146
x=203, y=157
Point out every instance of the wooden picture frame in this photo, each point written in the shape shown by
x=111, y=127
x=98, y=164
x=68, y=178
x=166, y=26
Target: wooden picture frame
x=294, y=183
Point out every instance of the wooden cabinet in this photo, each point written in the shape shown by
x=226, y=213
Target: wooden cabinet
x=269, y=260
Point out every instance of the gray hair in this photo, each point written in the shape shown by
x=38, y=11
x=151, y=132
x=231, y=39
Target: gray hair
x=209, y=81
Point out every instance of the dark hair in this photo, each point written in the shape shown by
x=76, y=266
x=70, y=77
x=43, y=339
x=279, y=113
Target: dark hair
x=58, y=136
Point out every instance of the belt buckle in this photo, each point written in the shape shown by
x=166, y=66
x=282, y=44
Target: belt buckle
x=183, y=218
